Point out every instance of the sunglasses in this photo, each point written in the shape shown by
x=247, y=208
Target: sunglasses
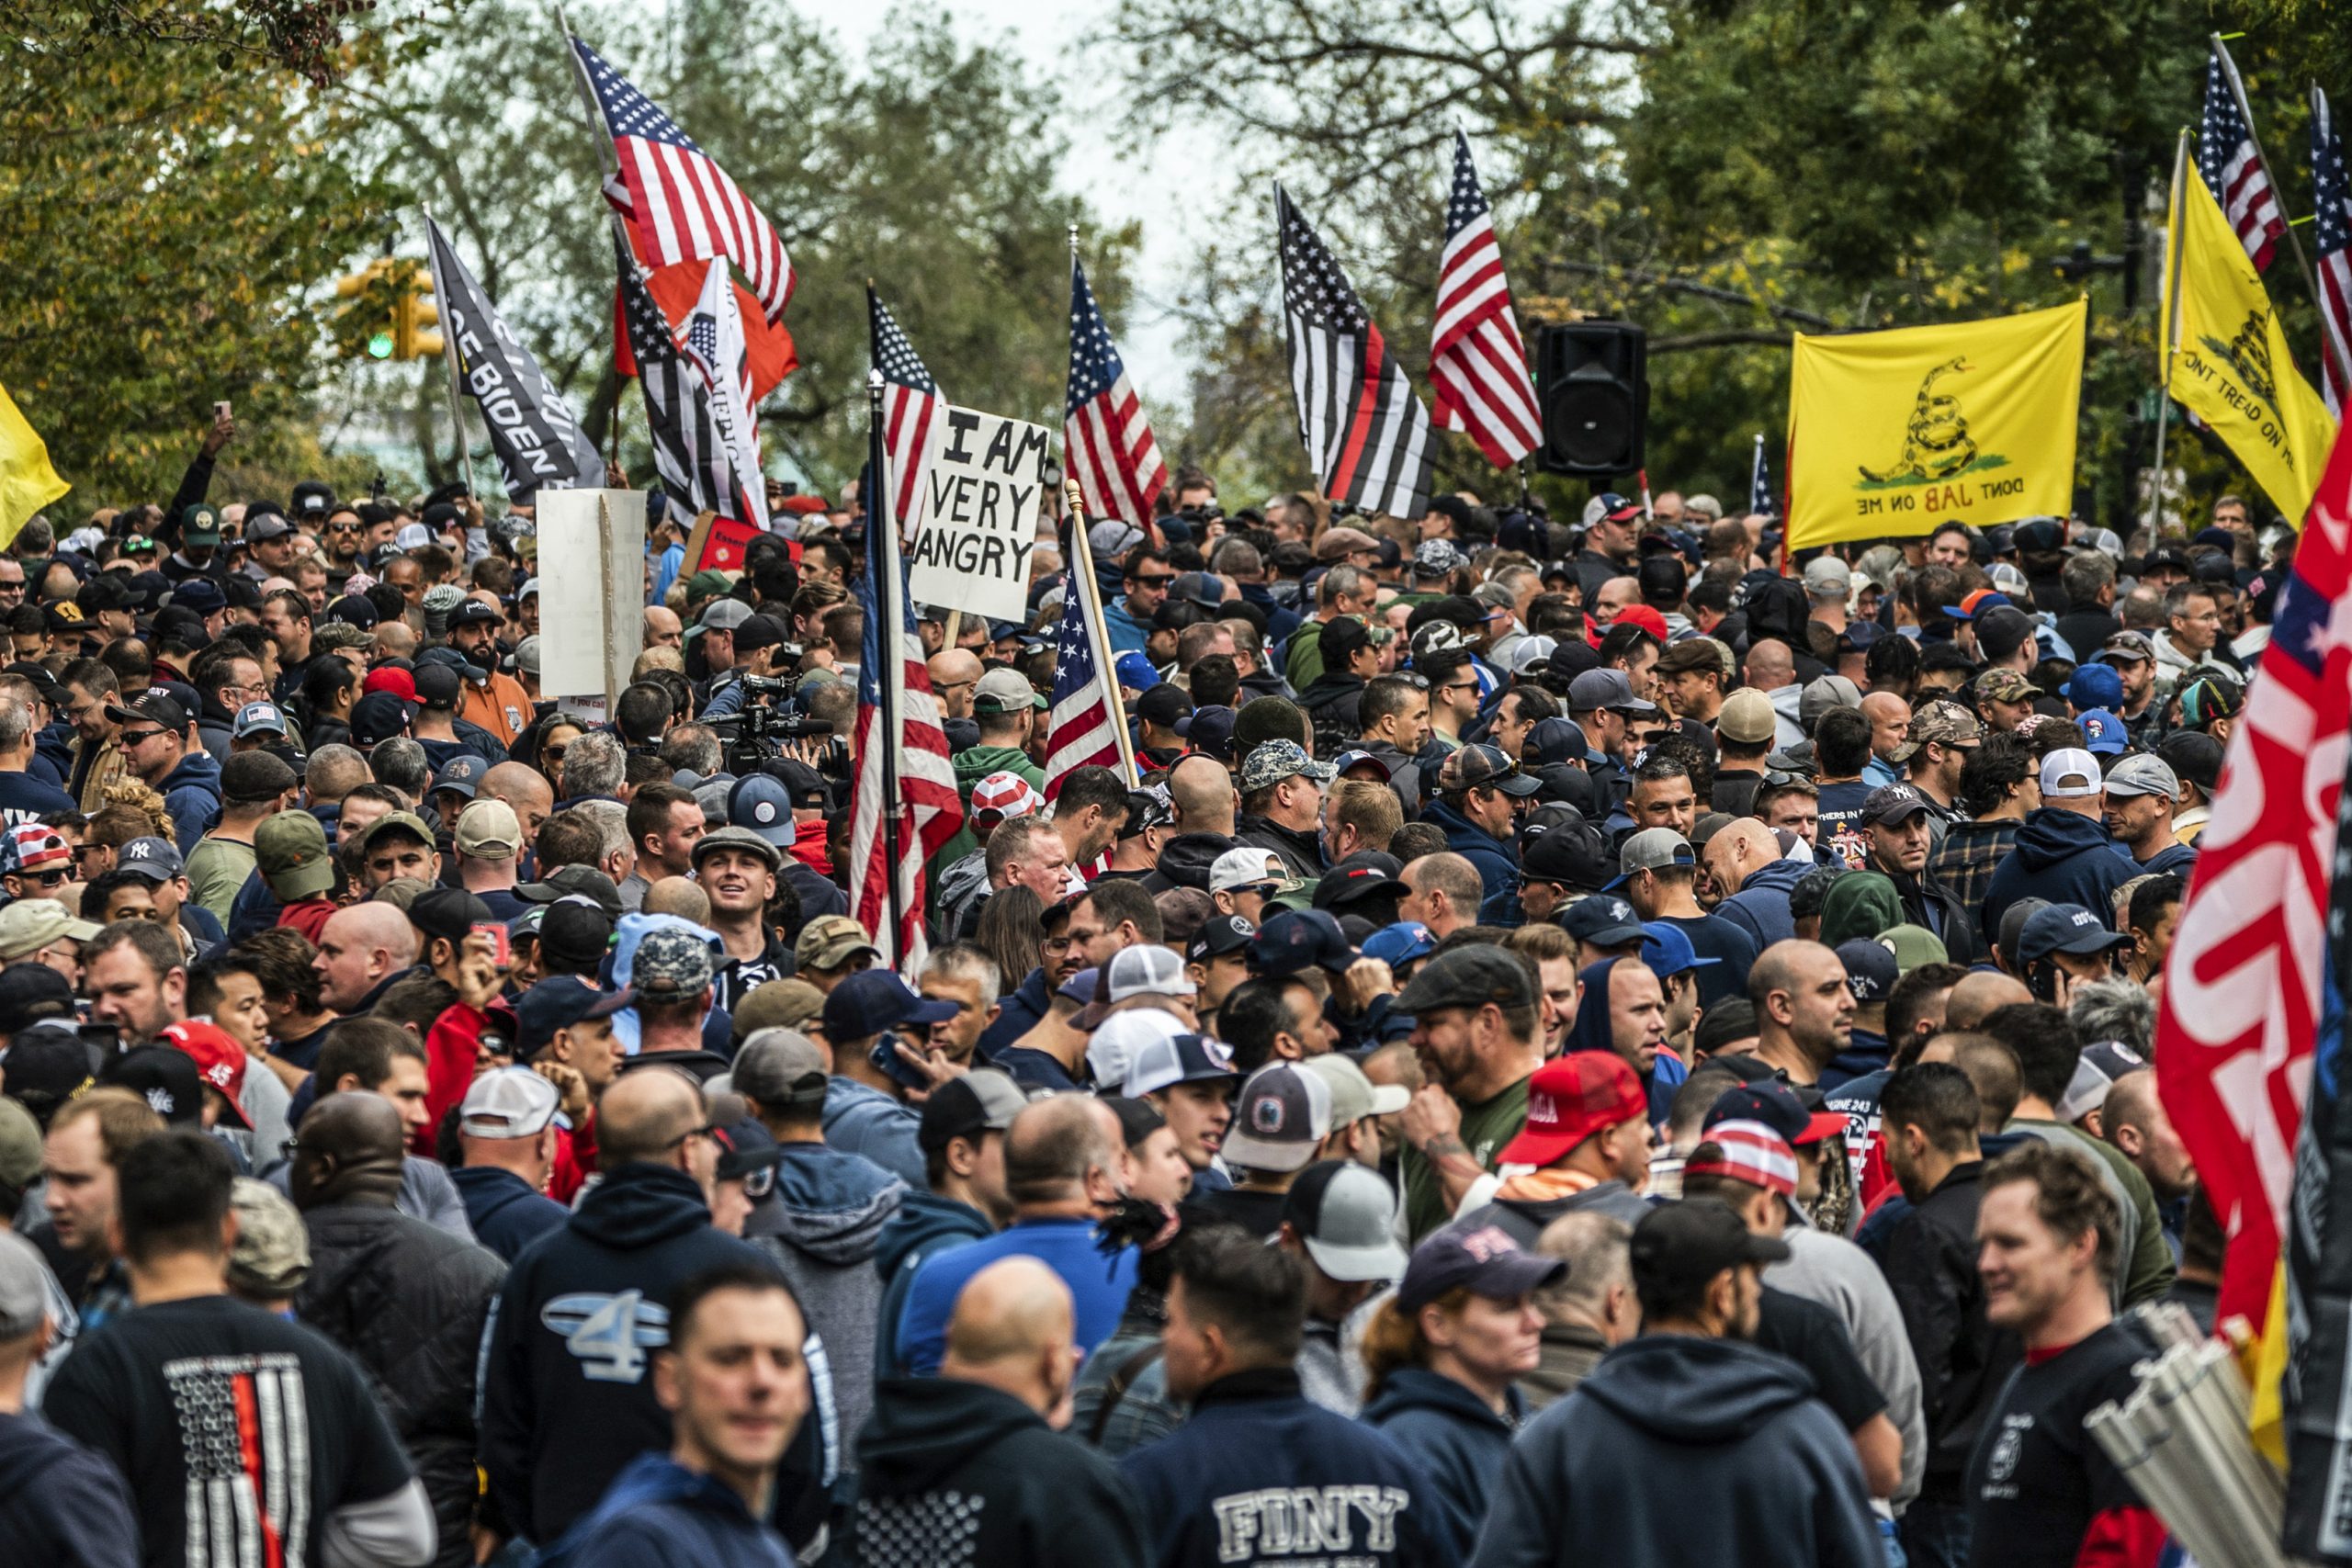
x=142, y=738
x=45, y=878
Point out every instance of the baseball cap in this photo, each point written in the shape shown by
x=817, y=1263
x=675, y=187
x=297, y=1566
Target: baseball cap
x=1399, y=943
x=780, y=1065
x=559, y=1001
x=24, y=1287
x=761, y=805
x=259, y=718
x=1354, y=1094
x=1891, y=804
x=377, y=717
x=1482, y=1259
x=1368, y=875
x=1603, y=920
x=290, y=852
x=719, y=615
x=830, y=940
x=163, y=1076
x=511, y=1102
x=1746, y=1151
x=1298, y=939
x=2094, y=685
x=1652, y=849
x=1468, y=976
x=1178, y=1058
x=1777, y=1106
x=804, y=785
x=200, y=525
x=1135, y=672
x=2096, y=1071
x=462, y=775
x=1678, y=1245
x=2069, y=762
x=1219, y=935
x=1870, y=968
x=1434, y=559
x=1746, y=717
x=1570, y=1099
x=1244, y=867
x=155, y=706
x=670, y=961
x=2209, y=697
x=1572, y=854
x=982, y=1100
x=1912, y=946
x=2144, y=776
x=1284, y=1113
x=1823, y=694
x=1944, y=722
x=489, y=830
x=30, y=847
x=1667, y=950
x=27, y=925
x=872, y=1001
x=1146, y=970
x=1270, y=762
x=2065, y=928
x=1826, y=577
x=2126, y=646
x=450, y=913
x=1209, y=731
x=1345, y=1216
x=2103, y=732
x=1343, y=638
x=220, y=1062
x=2194, y=758
x=158, y=860
x=1486, y=767
x=272, y=1257
x=2004, y=685
x=1610, y=689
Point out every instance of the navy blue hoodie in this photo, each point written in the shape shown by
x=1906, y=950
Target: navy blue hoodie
x=60, y=1504
x=1760, y=908
x=657, y=1514
x=1226, y=1488
x=925, y=1222
x=507, y=1212
x=567, y=1398
x=191, y=794
x=1611, y=1473
x=2062, y=856
x=1497, y=860
x=1452, y=1435
x=1022, y=1011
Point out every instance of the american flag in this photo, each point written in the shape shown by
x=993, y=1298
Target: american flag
x=688, y=451
x=681, y=206
x=1081, y=725
x=2233, y=168
x=714, y=345
x=244, y=1421
x=1365, y=431
x=903, y=801
x=1478, y=379
x=914, y=415
x=2242, y=984
x=2331, y=199
x=1112, y=452
x=1760, y=484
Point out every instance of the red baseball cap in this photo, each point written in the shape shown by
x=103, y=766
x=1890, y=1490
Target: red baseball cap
x=1642, y=615
x=399, y=683
x=219, y=1061
x=1570, y=1099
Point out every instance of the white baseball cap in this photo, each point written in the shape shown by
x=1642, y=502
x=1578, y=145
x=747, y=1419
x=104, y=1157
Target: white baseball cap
x=1113, y=1047
x=2069, y=762
x=1147, y=970
x=1244, y=867
x=513, y=1103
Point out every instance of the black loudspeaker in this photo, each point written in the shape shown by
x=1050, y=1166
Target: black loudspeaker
x=1593, y=378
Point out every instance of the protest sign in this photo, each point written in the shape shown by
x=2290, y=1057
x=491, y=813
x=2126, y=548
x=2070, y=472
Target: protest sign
x=1897, y=432
x=983, y=498
x=592, y=589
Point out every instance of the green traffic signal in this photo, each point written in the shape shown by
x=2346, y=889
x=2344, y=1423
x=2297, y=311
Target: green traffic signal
x=379, y=346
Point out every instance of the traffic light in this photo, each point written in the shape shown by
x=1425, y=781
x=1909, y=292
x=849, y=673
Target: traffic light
x=391, y=310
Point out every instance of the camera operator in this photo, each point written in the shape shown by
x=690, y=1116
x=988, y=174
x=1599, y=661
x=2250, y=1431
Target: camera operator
x=761, y=650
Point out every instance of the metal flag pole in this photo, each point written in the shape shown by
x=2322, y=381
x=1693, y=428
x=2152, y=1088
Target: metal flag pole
x=432, y=242
x=882, y=564
x=2168, y=329
x=2278, y=191
x=1088, y=587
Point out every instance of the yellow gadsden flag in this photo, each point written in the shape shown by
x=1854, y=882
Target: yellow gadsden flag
x=1897, y=431
x=27, y=482
x=2226, y=357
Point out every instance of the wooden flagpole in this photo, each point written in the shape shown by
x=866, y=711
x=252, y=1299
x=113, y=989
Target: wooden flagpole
x=1081, y=559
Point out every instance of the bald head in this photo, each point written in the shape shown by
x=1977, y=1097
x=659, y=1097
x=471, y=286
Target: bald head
x=1770, y=664
x=372, y=928
x=1885, y=707
x=1015, y=1310
x=524, y=788
x=1738, y=850
x=1055, y=1143
x=1978, y=995
x=645, y=1116
x=679, y=895
x=1202, y=790
x=348, y=1150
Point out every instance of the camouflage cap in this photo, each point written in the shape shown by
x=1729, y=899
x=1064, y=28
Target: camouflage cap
x=1944, y=722
x=1271, y=762
x=272, y=1257
x=2004, y=685
x=670, y=961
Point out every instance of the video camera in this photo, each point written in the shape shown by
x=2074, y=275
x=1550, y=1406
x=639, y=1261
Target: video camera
x=765, y=723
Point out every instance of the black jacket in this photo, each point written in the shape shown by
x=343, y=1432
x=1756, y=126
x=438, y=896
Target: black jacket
x=1929, y=902
x=952, y=1471
x=408, y=1300
x=1330, y=701
x=1184, y=862
x=1929, y=1258
x=567, y=1392
x=62, y=1506
x=1302, y=854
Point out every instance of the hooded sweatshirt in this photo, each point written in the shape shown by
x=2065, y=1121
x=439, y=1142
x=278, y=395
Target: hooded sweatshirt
x=60, y=1504
x=1455, y=1437
x=1760, y=908
x=864, y=1120
x=1860, y=903
x=566, y=1386
x=954, y=1472
x=1184, y=862
x=2062, y=856
x=507, y=1212
x=822, y=1224
x=191, y=794
x=1609, y=1474
x=924, y=1223
x=657, y=1514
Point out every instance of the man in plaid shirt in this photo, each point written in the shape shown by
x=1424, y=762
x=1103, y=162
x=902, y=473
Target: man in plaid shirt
x=1997, y=787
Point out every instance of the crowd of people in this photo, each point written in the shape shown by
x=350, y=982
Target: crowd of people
x=1578, y=1041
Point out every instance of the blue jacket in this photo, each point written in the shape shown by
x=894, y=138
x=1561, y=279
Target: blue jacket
x=506, y=1212
x=1280, y=619
x=1497, y=860
x=1682, y=1449
x=657, y=1514
x=2062, y=856
x=863, y=1120
x=191, y=794
x=1098, y=1284
x=567, y=1399
x=61, y=1505
x=1022, y=1011
x=1455, y=1436
x=1760, y=908
x=2180, y=858
x=925, y=1223
x=1224, y=1487
x=1126, y=634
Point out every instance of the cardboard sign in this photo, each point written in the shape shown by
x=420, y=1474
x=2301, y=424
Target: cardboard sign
x=589, y=639
x=983, y=495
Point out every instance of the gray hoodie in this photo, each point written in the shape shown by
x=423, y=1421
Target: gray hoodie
x=822, y=1224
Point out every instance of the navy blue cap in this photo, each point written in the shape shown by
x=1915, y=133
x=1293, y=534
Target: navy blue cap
x=558, y=1003
x=1776, y=1105
x=872, y=1001
x=1603, y=920
x=1870, y=968
x=1298, y=939
x=201, y=594
x=1209, y=731
x=765, y=806
x=1400, y=944
x=352, y=610
x=1483, y=1260
x=2064, y=928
